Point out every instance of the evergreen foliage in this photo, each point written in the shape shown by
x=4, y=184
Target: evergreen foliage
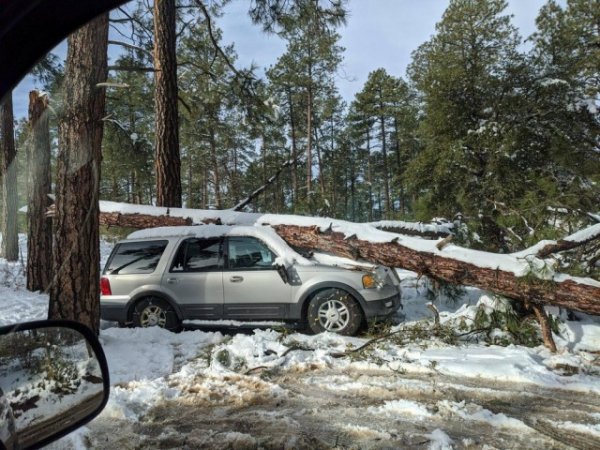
x=502, y=134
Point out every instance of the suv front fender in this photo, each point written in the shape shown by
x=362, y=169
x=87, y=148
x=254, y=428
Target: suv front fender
x=298, y=310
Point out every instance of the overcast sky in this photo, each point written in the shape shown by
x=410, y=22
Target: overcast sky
x=379, y=33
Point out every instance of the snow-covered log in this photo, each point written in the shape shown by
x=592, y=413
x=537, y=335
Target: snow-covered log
x=582, y=237
x=529, y=280
x=520, y=276
x=433, y=230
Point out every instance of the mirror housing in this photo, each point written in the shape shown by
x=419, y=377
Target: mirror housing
x=53, y=379
x=283, y=273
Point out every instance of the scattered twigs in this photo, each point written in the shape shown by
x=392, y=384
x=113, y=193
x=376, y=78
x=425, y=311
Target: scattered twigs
x=440, y=245
x=436, y=314
x=570, y=242
x=365, y=345
x=542, y=318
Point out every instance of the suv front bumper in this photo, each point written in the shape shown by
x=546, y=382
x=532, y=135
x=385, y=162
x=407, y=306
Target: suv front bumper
x=383, y=307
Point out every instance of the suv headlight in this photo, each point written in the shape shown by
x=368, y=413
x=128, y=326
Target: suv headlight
x=369, y=281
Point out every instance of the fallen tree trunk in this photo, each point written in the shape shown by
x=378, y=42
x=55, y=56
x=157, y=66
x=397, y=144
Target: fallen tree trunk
x=572, y=293
x=521, y=277
x=141, y=221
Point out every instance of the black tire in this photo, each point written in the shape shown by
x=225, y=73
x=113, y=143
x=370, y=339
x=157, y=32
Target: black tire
x=154, y=311
x=334, y=310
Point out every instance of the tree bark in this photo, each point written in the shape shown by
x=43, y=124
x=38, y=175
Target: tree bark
x=39, y=227
x=141, y=221
x=542, y=318
x=369, y=176
x=386, y=177
x=74, y=291
x=569, y=293
x=215, y=164
x=309, y=140
x=10, y=237
x=168, y=160
x=294, y=152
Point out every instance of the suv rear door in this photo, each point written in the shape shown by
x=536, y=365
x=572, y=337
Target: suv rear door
x=194, y=278
x=253, y=289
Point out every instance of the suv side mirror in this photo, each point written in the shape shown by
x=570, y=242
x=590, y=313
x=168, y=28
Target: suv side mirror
x=53, y=379
x=283, y=273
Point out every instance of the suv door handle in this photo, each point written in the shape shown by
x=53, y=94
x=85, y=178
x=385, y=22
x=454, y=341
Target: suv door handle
x=172, y=280
x=236, y=279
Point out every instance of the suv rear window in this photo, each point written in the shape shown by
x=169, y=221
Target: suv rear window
x=135, y=258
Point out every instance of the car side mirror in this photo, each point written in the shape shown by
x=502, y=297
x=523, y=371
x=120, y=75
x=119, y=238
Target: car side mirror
x=283, y=273
x=53, y=379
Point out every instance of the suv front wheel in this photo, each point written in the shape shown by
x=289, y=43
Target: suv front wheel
x=334, y=310
x=155, y=312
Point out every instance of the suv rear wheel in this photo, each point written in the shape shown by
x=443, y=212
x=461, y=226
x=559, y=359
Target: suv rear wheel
x=155, y=312
x=334, y=310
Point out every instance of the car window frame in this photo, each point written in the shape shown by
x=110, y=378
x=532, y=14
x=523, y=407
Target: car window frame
x=115, y=251
x=242, y=269
x=185, y=241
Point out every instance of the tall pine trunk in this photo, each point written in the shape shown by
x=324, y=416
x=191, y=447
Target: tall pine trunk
x=74, y=291
x=309, y=141
x=369, y=177
x=294, y=152
x=215, y=164
x=386, y=178
x=39, y=227
x=10, y=238
x=320, y=164
x=168, y=160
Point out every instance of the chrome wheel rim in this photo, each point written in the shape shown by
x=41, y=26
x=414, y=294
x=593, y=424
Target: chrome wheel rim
x=333, y=315
x=152, y=316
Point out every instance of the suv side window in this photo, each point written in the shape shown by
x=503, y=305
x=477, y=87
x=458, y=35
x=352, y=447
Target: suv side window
x=198, y=255
x=135, y=258
x=248, y=253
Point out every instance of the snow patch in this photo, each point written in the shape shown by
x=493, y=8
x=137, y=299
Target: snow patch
x=480, y=414
x=399, y=408
x=439, y=440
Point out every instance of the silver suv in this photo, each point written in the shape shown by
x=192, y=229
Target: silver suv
x=163, y=276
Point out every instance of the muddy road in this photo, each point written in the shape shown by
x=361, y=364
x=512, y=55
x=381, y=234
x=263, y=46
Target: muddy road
x=322, y=408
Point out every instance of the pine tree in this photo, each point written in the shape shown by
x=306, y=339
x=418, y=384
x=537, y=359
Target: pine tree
x=8, y=154
x=387, y=107
x=303, y=75
x=74, y=292
x=464, y=73
x=168, y=160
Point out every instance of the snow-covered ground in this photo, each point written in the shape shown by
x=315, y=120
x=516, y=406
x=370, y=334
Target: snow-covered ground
x=276, y=388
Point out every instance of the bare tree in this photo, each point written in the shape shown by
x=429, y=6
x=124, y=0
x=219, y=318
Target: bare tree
x=39, y=227
x=74, y=291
